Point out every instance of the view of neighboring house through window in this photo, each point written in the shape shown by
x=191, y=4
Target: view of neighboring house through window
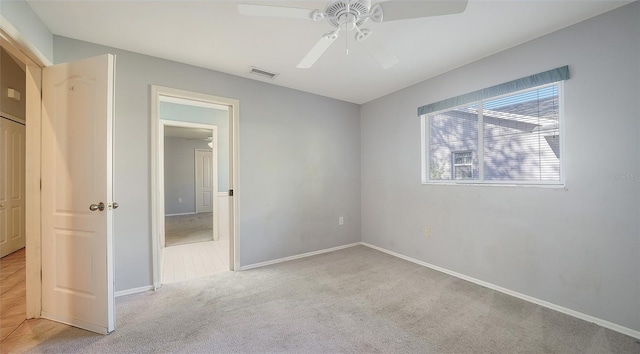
x=511, y=139
x=462, y=165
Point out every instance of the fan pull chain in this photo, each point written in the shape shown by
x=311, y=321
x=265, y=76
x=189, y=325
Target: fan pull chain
x=346, y=40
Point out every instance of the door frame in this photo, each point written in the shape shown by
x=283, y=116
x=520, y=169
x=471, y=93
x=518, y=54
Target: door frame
x=161, y=207
x=21, y=48
x=234, y=115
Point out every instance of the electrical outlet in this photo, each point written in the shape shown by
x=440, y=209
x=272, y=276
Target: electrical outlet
x=427, y=232
x=341, y=220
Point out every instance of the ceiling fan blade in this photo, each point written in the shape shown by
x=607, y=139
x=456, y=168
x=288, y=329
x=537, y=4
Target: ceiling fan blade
x=402, y=9
x=274, y=11
x=316, y=52
x=382, y=55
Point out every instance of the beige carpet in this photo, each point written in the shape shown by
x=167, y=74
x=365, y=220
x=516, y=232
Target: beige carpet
x=356, y=300
x=184, y=229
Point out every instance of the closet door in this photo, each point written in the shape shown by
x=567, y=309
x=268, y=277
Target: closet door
x=12, y=179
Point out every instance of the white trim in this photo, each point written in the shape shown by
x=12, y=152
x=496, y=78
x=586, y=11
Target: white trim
x=134, y=290
x=234, y=184
x=424, y=149
x=480, y=152
x=463, y=182
x=178, y=214
x=156, y=217
x=194, y=103
x=563, y=134
x=298, y=256
x=33, y=167
x=24, y=43
x=11, y=117
x=606, y=324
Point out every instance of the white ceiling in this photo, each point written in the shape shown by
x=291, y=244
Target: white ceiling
x=211, y=34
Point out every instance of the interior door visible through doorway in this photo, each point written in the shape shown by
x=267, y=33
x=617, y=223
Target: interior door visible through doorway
x=12, y=189
x=206, y=170
x=77, y=204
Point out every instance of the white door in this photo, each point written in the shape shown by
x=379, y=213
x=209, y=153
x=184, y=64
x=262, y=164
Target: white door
x=12, y=178
x=204, y=181
x=77, y=265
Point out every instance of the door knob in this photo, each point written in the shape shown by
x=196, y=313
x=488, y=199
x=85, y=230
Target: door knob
x=94, y=207
x=114, y=205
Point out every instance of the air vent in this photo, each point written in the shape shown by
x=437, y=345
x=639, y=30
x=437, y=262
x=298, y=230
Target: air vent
x=263, y=73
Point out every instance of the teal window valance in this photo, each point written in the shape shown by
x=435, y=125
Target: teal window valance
x=547, y=77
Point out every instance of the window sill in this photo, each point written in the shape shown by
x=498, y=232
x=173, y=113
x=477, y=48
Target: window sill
x=487, y=184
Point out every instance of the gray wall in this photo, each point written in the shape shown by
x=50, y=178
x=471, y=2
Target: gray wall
x=299, y=161
x=219, y=118
x=577, y=247
x=179, y=174
x=22, y=17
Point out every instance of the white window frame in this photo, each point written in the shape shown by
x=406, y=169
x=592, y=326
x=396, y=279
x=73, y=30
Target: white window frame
x=424, y=127
x=454, y=165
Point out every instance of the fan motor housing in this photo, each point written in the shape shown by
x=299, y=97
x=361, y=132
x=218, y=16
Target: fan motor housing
x=337, y=13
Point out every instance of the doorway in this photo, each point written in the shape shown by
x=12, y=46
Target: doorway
x=193, y=246
x=13, y=296
x=193, y=210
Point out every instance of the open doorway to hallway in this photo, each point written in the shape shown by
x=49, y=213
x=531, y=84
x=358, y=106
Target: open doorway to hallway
x=186, y=109
x=195, y=243
x=195, y=179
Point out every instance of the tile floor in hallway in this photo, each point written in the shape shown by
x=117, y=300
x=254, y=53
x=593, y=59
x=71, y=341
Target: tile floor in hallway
x=12, y=293
x=195, y=260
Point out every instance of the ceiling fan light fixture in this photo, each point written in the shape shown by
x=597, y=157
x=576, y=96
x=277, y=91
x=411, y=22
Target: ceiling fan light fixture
x=363, y=34
x=376, y=13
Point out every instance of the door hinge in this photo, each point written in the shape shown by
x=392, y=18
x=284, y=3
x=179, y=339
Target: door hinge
x=231, y=192
x=40, y=184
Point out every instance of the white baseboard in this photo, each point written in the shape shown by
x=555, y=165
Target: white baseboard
x=606, y=324
x=134, y=290
x=298, y=256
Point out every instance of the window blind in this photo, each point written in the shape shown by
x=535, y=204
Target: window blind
x=520, y=133
x=510, y=139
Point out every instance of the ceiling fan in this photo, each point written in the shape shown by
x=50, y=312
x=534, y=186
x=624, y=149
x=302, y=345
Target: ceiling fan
x=209, y=139
x=350, y=15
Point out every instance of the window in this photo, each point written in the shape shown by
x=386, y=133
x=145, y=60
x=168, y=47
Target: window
x=462, y=165
x=509, y=139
